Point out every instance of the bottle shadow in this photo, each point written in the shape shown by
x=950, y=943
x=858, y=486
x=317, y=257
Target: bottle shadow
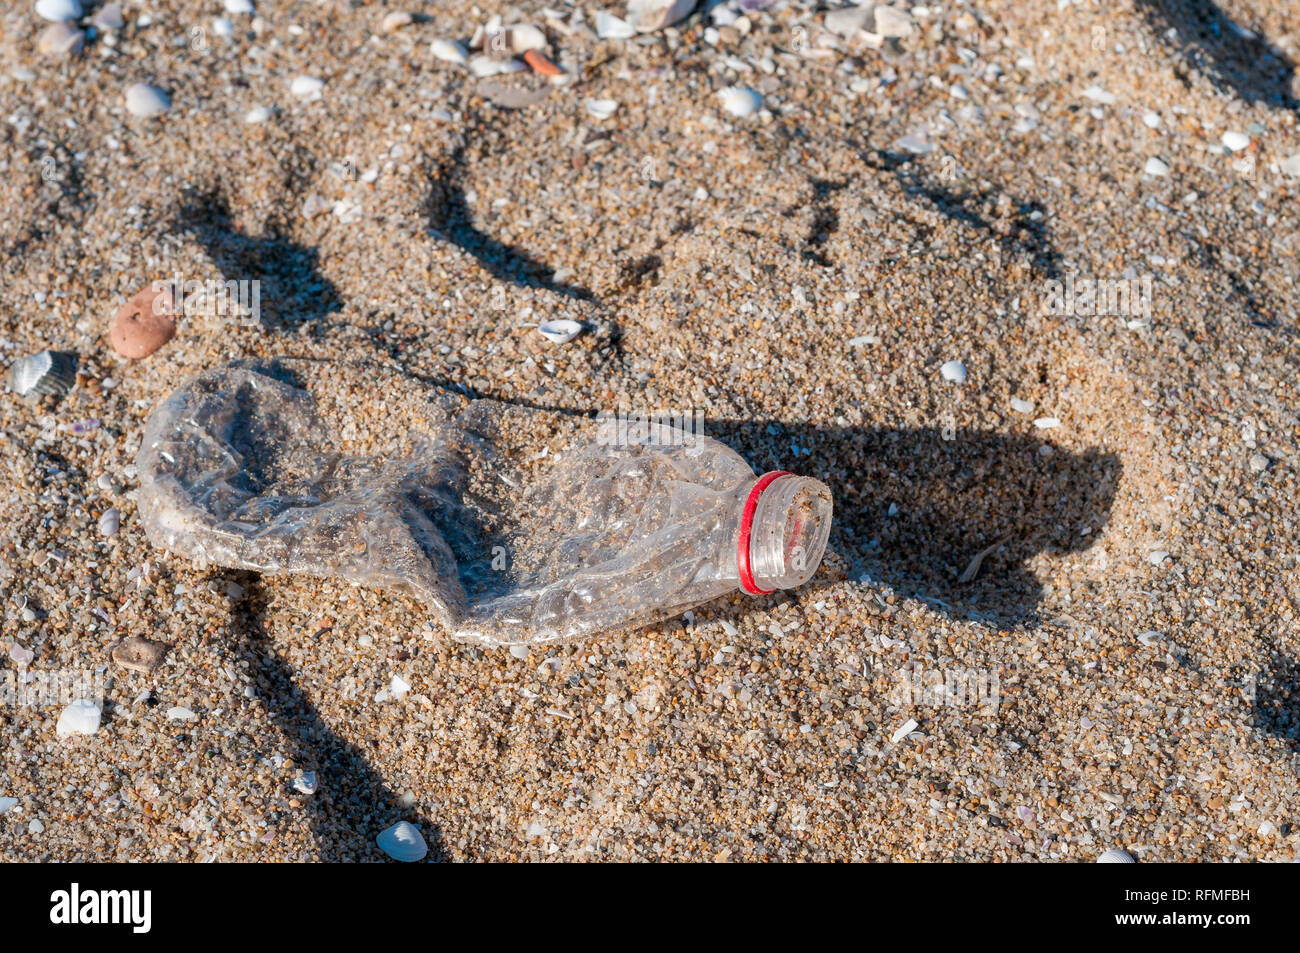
x=1228, y=54
x=352, y=804
x=915, y=506
x=1276, y=705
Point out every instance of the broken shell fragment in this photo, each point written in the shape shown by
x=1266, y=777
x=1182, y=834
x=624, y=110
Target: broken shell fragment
x=541, y=64
x=143, y=324
x=524, y=37
x=740, y=100
x=954, y=371
x=60, y=39
x=646, y=16
x=395, y=21
x=561, y=331
x=138, y=654
x=145, y=101
x=48, y=372
x=449, y=51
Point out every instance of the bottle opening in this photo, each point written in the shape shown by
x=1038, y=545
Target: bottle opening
x=787, y=539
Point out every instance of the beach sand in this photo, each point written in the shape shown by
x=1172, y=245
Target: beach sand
x=799, y=274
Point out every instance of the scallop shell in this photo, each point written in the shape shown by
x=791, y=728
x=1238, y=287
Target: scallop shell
x=49, y=372
x=1115, y=856
x=561, y=331
x=740, y=100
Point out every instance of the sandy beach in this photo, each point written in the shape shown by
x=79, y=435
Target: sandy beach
x=769, y=212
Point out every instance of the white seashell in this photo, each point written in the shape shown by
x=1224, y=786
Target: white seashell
x=891, y=22
x=403, y=842
x=306, y=783
x=525, y=37
x=109, y=17
x=482, y=66
x=1021, y=406
x=646, y=16
x=222, y=26
x=144, y=101
x=258, y=114
x=1099, y=95
x=6, y=803
x=906, y=729
x=238, y=6
x=1236, y=141
x=307, y=87
x=1157, y=556
x=740, y=100
x=395, y=21
x=79, y=718
x=398, y=686
x=1115, y=856
x=1151, y=119
x=954, y=371
x=1292, y=165
x=110, y=522
x=561, y=331
x=450, y=51
x=1047, y=423
x=610, y=27
x=177, y=713
x=58, y=11
x=60, y=39
x=601, y=108
x=1150, y=638
x=1156, y=167
x=847, y=21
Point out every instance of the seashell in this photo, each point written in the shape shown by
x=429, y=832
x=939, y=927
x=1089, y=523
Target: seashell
x=404, y=842
x=903, y=731
x=914, y=143
x=524, y=37
x=1022, y=406
x=223, y=26
x=954, y=371
x=79, y=718
x=109, y=522
x=395, y=21
x=109, y=17
x=541, y=65
x=1047, y=423
x=893, y=23
x=560, y=331
x=59, y=11
x=1099, y=95
x=60, y=39
x=144, y=324
x=258, y=114
x=139, y=655
x=449, y=51
x=1156, y=167
x=646, y=16
x=1236, y=141
x=306, y=87
x=144, y=101
x=48, y=372
x=1151, y=119
x=238, y=6
x=740, y=100
x=601, y=108
x=483, y=66
x=306, y=783
x=1291, y=166
x=847, y=21
x=178, y=713
x=1115, y=856
x=610, y=27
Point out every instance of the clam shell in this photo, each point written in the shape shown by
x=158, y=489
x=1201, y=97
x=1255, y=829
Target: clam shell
x=646, y=16
x=740, y=100
x=60, y=39
x=449, y=51
x=57, y=11
x=404, y=842
x=1115, y=856
x=49, y=372
x=954, y=371
x=144, y=101
x=524, y=37
x=561, y=331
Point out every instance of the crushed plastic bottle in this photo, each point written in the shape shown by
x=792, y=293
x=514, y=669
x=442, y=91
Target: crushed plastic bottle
x=623, y=528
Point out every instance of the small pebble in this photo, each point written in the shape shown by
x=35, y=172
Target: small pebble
x=449, y=51
x=394, y=21
x=1156, y=167
x=1236, y=141
x=239, y=6
x=143, y=324
x=1258, y=462
x=180, y=713
x=306, y=783
x=138, y=654
x=109, y=17
x=1021, y=406
x=258, y=114
x=307, y=87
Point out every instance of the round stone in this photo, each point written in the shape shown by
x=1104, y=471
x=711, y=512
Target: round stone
x=144, y=324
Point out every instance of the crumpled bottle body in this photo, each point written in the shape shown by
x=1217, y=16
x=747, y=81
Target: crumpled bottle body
x=236, y=469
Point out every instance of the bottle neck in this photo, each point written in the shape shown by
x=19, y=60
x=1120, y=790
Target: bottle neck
x=783, y=531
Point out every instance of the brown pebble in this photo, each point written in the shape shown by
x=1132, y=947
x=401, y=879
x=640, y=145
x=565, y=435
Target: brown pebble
x=139, y=655
x=143, y=324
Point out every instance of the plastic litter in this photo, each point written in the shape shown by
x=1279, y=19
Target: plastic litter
x=625, y=527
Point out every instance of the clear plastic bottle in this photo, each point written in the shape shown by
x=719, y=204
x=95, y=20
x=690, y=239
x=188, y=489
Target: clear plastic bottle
x=625, y=527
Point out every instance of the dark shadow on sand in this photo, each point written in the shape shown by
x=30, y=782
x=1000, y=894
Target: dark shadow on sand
x=1232, y=57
